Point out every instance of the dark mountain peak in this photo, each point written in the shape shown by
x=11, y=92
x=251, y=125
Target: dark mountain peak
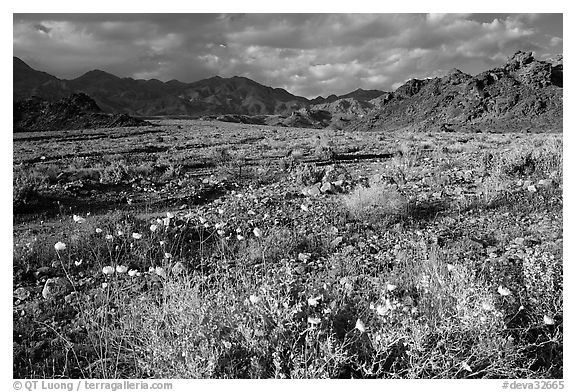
x=362, y=95
x=331, y=98
x=17, y=62
x=97, y=74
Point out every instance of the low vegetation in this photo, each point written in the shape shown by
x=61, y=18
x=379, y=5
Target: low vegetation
x=433, y=264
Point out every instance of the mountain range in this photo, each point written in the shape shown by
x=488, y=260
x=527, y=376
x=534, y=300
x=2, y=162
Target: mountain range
x=216, y=95
x=524, y=94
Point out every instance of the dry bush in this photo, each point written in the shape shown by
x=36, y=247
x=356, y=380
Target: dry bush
x=27, y=187
x=377, y=203
x=528, y=160
x=308, y=174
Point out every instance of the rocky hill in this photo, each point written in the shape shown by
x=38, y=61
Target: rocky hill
x=236, y=95
x=525, y=94
x=75, y=112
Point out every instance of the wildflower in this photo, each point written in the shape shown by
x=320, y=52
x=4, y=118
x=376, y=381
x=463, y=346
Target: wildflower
x=153, y=228
x=304, y=207
x=104, y=285
x=304, y=257
x=160, y=272
x=120, y=233
x=109, y=237
x=98, y=230
x=136, y=236
x=504, y=291
x=360, y=326
x=486, y=306
x=77, y=263
x=108, y=270
x=257, y=232
x=206, y=225
x=169, y=215
x=220, y=232
x=548, y=320
x=162, y=243
x=314, y=321
x=132, y=273
x=254, y=299
x=121, y=269
x=382, y=310
x=450, y=267
x=151, y=269
x=240, y=237
x=202, y=220
x=166, y=221
x=178, y=268
x=59, y=246
x=390, y=287
x=219, y=225
x=78, y=219
x=466, y=367
x=167, y=255
x=220, y=211
x=313, y=301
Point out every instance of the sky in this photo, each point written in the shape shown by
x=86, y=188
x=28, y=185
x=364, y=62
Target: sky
x=306, y=54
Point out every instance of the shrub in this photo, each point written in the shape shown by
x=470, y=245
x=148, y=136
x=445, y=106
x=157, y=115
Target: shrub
x=376, y=203
x=27, y=187
x=527, y=160
x=308, y=174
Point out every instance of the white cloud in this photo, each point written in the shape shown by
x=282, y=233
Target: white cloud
x=329, y=53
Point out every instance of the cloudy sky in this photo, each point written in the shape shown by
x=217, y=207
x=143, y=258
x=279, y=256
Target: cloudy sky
x=307, y=54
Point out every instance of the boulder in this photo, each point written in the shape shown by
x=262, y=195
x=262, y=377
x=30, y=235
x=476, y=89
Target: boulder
x=56, y=288
x=327, y=187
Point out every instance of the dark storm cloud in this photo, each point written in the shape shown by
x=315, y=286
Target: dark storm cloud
x=307, y=54
x=42, y=28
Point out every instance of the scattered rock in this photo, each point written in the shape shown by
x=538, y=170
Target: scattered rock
x=45, y=272
x=21, y=293
x=304, y=257
x=313, y=190
x=327, y=187
x=546, y=184
x=336, y=241
x=55, y=288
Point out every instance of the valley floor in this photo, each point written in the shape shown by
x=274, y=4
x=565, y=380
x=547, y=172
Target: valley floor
x=195, y=249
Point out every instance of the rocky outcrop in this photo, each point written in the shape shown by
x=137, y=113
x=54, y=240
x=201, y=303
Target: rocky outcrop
x=525, y=94
x=78, y=111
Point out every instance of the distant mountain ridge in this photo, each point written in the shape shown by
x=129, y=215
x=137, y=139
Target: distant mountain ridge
x=216, y=95
x=524, y=94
